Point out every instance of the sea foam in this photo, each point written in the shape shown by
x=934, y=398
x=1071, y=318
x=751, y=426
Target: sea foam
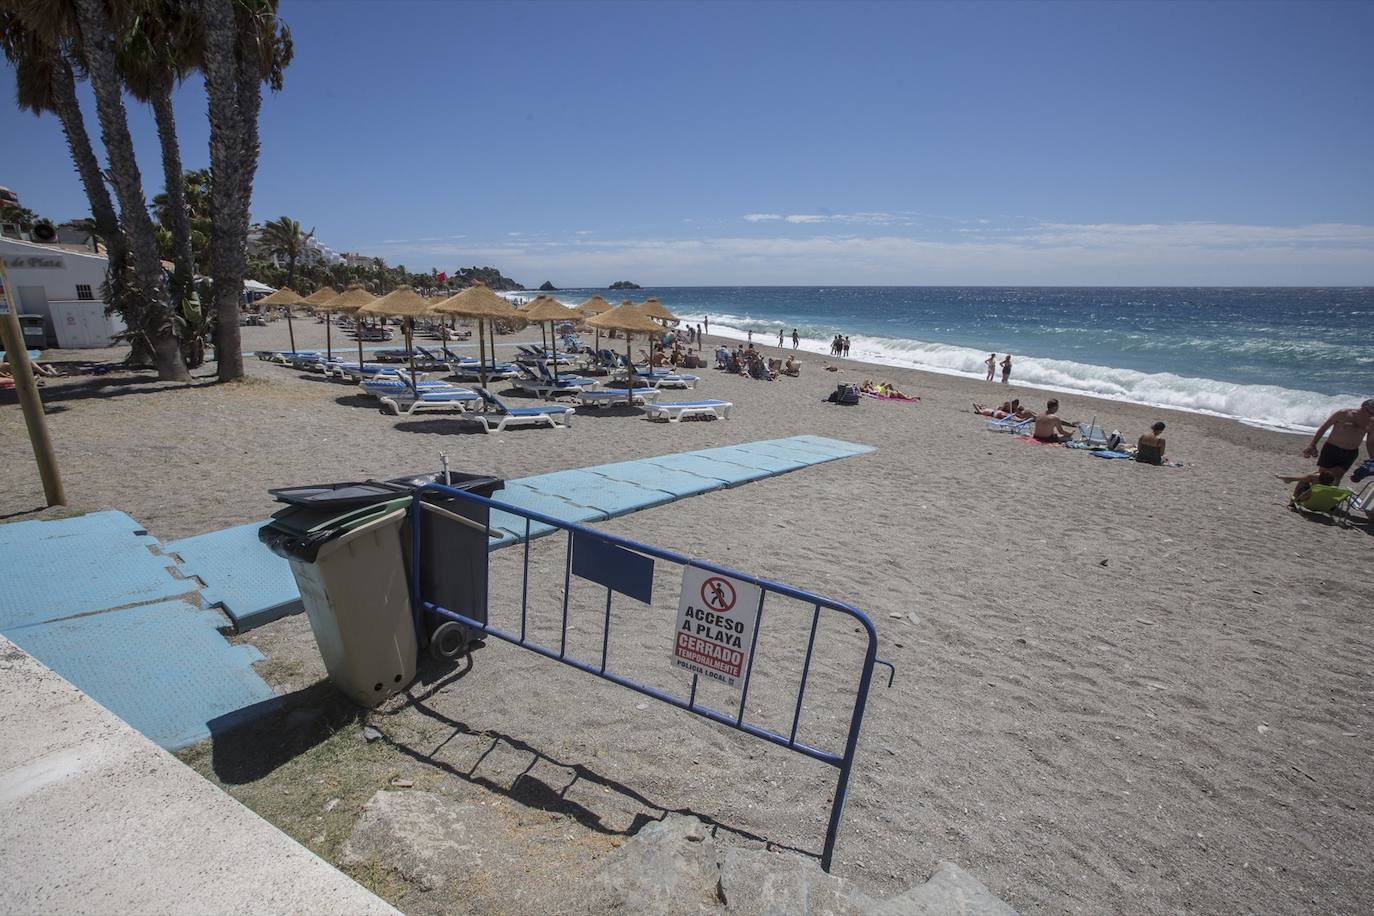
x=1265, y=405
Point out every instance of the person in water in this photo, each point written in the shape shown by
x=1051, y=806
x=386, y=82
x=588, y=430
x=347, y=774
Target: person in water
x=1050, y=427
x=991, y=363
x=1006, y=368
x=1149, y=448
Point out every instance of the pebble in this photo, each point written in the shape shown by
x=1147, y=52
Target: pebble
x=402, y=783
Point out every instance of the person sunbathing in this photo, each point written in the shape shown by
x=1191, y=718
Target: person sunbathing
x=1050, y=427
x=792, y=366
x=868, y=387
x=38, y=370
x=889, y=390
x=997, y=413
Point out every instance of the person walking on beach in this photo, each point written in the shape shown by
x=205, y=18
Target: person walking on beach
x=1006, y=369
x=846, y=345
x=750, y=336
x=796, y=341
x=991, y=364
x=1347, y=427
x=779, y=338
x=707, y=319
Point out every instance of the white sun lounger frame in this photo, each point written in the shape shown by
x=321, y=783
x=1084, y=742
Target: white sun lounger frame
x=674, y=412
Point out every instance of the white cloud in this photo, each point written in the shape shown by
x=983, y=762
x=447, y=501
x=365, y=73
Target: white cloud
x=1041, y=253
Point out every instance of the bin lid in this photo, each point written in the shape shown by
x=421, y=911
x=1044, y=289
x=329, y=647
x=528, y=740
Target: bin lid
x=307, y=519
x=339, y=496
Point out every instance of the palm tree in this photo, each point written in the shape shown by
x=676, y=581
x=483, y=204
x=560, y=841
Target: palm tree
x=158, y=46
x=195, y=193
x=97, y=42
x=45, y=82
x=245, y=45
x=284, y=237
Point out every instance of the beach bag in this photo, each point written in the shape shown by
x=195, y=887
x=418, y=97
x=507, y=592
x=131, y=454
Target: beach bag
x=1363, y=471
x=845, y=393
x=1114, y=440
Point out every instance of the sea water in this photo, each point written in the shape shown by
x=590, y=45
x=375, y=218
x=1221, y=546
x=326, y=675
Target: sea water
x=1281, y=357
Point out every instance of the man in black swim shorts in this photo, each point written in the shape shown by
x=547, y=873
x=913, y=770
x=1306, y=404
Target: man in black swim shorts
x=1342, y=447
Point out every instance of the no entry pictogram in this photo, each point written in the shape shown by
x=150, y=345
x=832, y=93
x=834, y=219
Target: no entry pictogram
x=718, y=594
x=710, y=640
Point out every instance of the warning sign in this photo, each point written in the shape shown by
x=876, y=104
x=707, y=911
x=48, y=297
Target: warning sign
x=715, y=625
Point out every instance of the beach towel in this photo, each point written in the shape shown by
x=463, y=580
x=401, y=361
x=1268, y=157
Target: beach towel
x=1034, y=441
x=1108, y=453
x=890, y=397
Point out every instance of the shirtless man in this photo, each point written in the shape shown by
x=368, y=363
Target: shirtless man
x=1342, y=448
x=1050, y=427
x=991, y=363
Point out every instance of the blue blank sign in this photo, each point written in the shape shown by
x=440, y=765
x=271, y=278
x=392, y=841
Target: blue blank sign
x=615, y=567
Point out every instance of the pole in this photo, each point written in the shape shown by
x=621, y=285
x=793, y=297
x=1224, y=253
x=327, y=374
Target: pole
x=481, y=354
x=328, y=345
x=17, y=354
x=291, y=329
x=358, y=332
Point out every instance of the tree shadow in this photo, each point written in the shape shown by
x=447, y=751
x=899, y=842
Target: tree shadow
x=105, y=387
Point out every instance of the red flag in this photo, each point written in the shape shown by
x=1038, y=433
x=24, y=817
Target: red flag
x=441, y=276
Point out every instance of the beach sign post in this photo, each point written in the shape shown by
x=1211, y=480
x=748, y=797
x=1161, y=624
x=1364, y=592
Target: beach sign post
x=17, y=355
x=716, y=618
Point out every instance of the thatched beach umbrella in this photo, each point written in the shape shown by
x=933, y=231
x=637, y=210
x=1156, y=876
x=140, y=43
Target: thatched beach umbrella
x=626, y=317
x=477, y=301
x=654, y=309
x=550, y=310
x=348, y=301
x=402, y=302
x=288, y=297
x=595, y=306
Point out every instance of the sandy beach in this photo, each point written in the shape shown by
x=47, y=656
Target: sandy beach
x=1127, y=689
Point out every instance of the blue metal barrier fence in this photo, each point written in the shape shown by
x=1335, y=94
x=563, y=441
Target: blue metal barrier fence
x=590, y=539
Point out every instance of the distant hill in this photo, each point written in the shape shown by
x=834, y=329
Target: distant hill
x=624, y=284
x=548, y=287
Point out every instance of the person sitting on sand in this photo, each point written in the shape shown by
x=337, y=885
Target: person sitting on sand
x=1149, y=448
x=1342, y=448
x=1050, y=427
x=792, y=366
x=1019, y=412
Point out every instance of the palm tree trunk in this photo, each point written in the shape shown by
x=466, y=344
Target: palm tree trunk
x=68, y=109
x=184, y=273
x=232, y=83
x=98, y=39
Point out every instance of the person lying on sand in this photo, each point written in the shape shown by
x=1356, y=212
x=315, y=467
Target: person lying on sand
x=889, y=390
x=1019, y=412
x=38, y=369
x=997, y=413
x=1050, y=427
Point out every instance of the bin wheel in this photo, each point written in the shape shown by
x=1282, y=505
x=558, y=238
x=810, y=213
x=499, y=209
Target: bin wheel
x=448, y=641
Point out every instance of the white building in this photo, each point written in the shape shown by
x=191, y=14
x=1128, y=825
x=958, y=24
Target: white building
x=312, y=252
x=62, y=284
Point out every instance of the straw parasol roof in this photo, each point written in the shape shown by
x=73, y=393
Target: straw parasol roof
x=594, y=306
x=477, y=301
x=625, y=317
x=284, y=296
x=654, y=309
x=545, y=308
x=350, y=300
x=319, y=296
x=402, y=302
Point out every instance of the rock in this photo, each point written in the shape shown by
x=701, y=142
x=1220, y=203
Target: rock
x=371, y=734
x=669, y=866
x=758, y=881
x=913, y=618
x=624, y=284
x=490, y=276
x=548, y=287
x=950, y=891
x=402, y=783
x=426, y=837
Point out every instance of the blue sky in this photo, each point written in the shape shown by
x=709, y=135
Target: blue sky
x=780, y=143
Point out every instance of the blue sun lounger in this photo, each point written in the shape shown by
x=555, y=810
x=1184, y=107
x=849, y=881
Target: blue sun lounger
x=448, y=397
x=674, y=411
x=496, y=416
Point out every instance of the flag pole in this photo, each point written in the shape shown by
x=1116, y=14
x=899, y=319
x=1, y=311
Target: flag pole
x=17, y=355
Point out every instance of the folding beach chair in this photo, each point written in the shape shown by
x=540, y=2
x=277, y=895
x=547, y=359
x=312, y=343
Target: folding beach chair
x=496, y=416
x=1012, y=425
x=1322, y=498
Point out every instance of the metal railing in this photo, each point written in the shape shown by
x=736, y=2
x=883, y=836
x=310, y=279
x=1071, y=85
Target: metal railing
x=842, y=760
